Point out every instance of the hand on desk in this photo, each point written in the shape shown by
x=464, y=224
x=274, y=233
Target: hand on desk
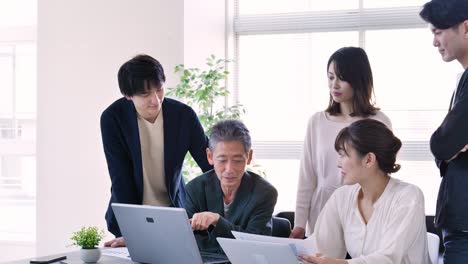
x=202, y=221
x=320, y=259
x=297, y=232
x=117, y=242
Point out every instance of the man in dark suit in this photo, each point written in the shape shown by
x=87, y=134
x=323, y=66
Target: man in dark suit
x=229, y=198
x=146, y=138
x=449, y=23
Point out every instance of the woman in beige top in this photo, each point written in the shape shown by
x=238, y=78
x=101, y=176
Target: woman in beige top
x=375, y=218
x=351, y=88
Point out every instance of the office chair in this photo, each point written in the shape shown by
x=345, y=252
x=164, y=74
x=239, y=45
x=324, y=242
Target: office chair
x=431, y=229
x=288, y=215
x=433, y=242
x=281, y=227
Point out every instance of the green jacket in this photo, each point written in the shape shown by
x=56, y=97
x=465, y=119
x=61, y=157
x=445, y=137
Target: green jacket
x=250, y=211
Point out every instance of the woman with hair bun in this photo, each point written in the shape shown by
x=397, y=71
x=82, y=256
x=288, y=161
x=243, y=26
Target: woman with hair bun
x=373, y=217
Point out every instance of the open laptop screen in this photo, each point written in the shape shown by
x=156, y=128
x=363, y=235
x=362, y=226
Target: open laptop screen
x=157, y=234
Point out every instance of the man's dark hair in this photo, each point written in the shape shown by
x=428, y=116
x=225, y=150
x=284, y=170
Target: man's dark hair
x=369, y=135
x=138, y=74
x=230, y=130
x=352, y=65
x=443, y=14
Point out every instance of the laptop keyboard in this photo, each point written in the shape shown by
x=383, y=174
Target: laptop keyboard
x=208, y=257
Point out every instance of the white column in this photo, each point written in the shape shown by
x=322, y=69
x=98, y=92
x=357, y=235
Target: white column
x=81, y=45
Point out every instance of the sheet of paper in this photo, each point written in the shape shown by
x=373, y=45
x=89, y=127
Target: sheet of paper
x=120, y=252
x=299, y=246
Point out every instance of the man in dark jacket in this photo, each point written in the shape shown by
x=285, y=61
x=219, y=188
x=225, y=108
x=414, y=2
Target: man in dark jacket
x=229, y=198
x=146, y=138
x=449, y=23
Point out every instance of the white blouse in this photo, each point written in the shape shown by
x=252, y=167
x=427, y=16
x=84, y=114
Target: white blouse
x=395, y=233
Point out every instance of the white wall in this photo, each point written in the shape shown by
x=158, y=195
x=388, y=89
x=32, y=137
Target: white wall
x=204, y=27
x=205, y=32
x=81, y=45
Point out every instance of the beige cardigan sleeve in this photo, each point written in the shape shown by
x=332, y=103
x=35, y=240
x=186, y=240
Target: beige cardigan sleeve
x=307, y=178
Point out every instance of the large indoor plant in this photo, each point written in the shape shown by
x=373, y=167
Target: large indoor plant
x=205, y=91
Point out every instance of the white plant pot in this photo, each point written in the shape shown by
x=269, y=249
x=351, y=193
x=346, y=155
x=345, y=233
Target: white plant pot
x=90, y=255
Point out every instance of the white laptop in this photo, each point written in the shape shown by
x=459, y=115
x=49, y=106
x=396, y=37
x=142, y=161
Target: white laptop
x=244, y=251
x=160, y=235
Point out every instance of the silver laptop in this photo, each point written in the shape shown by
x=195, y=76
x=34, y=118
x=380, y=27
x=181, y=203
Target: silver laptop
x=159, y=235
x=244, y=251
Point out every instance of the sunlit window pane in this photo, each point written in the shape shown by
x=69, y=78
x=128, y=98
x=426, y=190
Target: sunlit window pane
x=412, y=83
x=17, y=198
x=283, y=174
x=6, y=86
x=26, y=80
x=283, y=6
x=6, y=50
x=18, y=221
x=392, y=3
x=408, y=68
x=283, y=80
x=425, y=175
x=18, y=82
x=18, y=177
x=18, y=12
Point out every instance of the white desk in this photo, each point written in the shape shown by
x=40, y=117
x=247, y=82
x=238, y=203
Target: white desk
x=74, y=258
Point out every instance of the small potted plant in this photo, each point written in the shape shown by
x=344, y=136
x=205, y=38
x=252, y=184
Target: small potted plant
x=88, y=239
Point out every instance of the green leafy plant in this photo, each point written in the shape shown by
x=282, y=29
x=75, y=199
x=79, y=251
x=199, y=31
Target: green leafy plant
x=205, y=91
x=87, y=237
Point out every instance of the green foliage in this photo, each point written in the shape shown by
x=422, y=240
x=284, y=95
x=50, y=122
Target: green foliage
x=87, y=237
x=204, y=90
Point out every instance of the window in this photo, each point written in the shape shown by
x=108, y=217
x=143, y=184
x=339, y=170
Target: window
x=17, y=120
x=256, y=7
x=281, y=6
x=281, y=49
x=283, y=74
